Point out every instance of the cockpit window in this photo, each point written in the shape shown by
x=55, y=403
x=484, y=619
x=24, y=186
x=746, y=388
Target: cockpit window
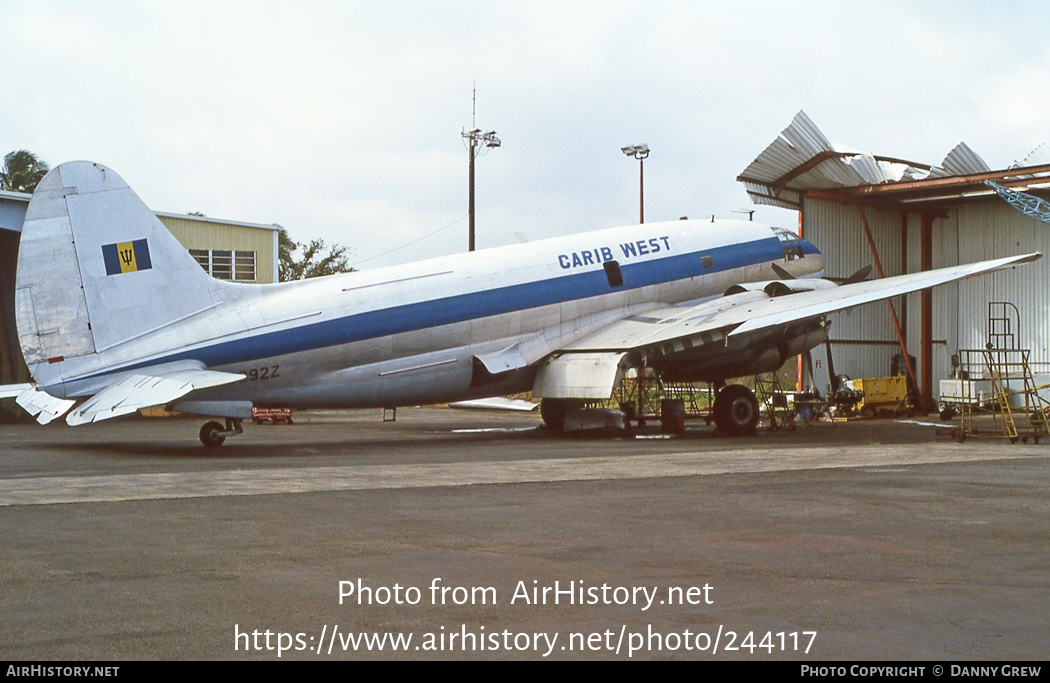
x=785, y=236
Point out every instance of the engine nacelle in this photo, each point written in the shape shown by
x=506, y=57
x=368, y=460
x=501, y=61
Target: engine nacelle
x=776, y=288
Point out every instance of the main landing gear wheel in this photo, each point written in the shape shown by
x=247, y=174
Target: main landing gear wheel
x=211, y=435
x=554, y=410
x=736, y=410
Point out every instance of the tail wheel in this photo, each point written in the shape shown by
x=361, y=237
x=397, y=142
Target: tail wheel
x=736, y=410
x=210, y=434
x=554, y=410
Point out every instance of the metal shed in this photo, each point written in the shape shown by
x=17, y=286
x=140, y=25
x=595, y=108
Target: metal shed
x=862, y=208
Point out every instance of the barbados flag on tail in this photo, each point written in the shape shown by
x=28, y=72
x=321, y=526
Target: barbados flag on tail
x=126, y=257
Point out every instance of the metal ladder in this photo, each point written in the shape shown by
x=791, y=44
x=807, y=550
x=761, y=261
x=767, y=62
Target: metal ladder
x=773, y=402
x=1006, y=365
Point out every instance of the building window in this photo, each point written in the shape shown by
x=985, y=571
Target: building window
x=244, y=266
x=225, y=264
x=222, y=264
x=203, y=258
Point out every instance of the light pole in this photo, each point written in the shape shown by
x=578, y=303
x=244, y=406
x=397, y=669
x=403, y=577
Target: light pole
x=475, y=141
x=639, y=152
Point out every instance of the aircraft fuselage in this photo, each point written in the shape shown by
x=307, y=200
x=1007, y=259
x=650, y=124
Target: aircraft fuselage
x=410, y=334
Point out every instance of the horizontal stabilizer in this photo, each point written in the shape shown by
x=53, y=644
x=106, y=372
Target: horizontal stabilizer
x=42, y=405
x=143, y=391
x=12, y=390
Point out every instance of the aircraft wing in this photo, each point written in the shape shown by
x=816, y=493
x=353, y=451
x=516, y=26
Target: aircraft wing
x=676, y=329
x=145, y=389
x=830, y=300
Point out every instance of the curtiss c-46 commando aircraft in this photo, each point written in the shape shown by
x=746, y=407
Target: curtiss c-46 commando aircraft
x=110, y=308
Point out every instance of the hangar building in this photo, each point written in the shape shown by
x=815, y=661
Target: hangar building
x=859, y=207
x=229, y=250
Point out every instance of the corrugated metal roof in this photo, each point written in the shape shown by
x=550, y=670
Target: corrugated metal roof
x=1037, y=157
x=803, y=158
x=960, y=161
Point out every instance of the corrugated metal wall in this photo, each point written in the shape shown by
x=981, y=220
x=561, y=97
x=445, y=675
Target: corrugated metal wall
x=200, y=233
x=971, y=232
x=865, y=342
x=993, y=229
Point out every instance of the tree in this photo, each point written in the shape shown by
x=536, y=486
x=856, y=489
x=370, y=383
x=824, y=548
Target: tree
x=312, y=262
x=22, y=172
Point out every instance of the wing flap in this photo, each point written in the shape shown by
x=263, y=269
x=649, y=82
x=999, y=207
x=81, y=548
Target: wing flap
x=505, y=360
x=580, y=375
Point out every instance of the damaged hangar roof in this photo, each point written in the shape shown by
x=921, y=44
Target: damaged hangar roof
x=803, y=160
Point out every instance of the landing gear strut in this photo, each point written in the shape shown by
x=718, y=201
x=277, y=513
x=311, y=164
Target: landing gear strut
x=213, y=434
x=736, y=410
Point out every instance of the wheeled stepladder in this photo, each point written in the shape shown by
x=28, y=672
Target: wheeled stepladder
x=1003, y=370
x=1012, y=391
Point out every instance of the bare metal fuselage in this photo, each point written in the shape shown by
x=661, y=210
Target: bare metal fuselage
x=411, y=334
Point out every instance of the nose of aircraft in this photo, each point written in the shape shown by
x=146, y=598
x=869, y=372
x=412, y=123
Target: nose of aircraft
x=815, y=259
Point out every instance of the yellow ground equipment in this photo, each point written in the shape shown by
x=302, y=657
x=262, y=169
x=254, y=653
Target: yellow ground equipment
x=882, y=395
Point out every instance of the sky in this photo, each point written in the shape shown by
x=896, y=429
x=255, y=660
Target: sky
x=342, y=120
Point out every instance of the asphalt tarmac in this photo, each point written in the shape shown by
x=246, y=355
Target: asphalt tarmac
x=453, y=534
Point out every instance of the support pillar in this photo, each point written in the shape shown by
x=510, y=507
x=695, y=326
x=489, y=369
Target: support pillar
x=926, y=314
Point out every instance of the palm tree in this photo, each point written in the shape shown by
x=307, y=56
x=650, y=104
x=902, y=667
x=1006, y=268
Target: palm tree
x=22, y=171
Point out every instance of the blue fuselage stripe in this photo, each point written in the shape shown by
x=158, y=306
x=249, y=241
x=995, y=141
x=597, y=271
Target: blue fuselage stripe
x=480, y=304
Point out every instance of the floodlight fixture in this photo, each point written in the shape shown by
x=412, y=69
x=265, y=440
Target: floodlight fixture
x=639, y=152
x=475, y=141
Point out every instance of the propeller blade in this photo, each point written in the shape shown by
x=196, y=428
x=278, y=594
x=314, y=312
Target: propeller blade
x=860, y=276
x=807, y=366
x=831, y=368
x=781, y=272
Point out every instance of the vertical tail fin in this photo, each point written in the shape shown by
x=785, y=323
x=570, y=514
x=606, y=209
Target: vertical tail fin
x=96, y=268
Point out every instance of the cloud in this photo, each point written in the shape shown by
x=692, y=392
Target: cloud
x=342, y=120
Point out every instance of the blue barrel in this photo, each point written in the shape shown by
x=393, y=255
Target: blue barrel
x=672, y=415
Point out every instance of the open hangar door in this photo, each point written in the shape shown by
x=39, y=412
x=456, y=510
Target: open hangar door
x=905, y=216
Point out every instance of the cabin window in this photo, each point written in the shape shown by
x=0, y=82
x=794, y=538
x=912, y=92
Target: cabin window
x=613, y=273
x=707, y=261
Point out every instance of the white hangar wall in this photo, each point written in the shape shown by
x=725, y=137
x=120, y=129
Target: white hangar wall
x=864, y=340
x=987, y=230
